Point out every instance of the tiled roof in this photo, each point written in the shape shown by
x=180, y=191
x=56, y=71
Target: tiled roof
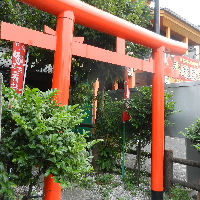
x=180, y=18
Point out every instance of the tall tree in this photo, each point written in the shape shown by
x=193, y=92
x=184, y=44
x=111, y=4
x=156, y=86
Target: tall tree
x=15, y=12
x=136, y=13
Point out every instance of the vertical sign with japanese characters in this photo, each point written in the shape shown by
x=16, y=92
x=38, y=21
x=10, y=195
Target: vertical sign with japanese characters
x=18, y=66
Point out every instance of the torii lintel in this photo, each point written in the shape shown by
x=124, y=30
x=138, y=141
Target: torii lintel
x=97, y=19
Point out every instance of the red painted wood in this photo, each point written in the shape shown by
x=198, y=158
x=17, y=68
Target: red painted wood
x=63, y=56
x=157, y=147
x=48, y=41
x=97, y=19
x=27, y=36
x=52, y=190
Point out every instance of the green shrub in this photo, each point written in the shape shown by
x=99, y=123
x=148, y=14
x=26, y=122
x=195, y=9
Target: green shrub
x=109, y=128
x=178, y=192
x=37, y=132
x=109, y=124
x=193, y=133
x=140, y=111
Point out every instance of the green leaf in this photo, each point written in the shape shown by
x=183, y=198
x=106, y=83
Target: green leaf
x=36, y=131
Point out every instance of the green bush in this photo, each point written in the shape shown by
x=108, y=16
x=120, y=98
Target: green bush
x=109, y=128
x=193, y=133
x=140, y=111
x=109, y=124
x=178, y=192
x=6, y=184
x=37, y=132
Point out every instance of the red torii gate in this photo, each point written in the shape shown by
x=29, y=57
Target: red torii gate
x=62, y=41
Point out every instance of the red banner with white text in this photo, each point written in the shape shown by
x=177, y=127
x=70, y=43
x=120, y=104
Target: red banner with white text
x=18, y=66
x=189, y=69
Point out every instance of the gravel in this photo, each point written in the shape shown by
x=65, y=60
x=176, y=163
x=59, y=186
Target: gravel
x=99, y=192
x=177, y=145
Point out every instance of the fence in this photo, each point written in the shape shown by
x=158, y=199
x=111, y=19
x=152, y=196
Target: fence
x=168, y=177
x=168, y=171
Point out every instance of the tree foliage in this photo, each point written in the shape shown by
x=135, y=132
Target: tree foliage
x=109, y=127
x=193, y=133
x=38, y=132
x=138, y=128
x=140, y=110
x=136, y=13
x=15, y=12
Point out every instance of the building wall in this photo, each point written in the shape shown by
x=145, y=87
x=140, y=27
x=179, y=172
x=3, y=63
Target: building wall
x=143, y=79
x=187, y=96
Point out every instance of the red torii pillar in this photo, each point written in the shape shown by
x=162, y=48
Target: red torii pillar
x=157, y=148
x=63, y=56
x=61, y=81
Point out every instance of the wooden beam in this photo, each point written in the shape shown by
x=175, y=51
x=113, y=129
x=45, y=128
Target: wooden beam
x=47, y=40
x=49, y=31
x=168, y=32
x=27, y=36
x=185, y=40
x=89, y=16
x=95, y=53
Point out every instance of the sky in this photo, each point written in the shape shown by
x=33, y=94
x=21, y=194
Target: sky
x=188, y=9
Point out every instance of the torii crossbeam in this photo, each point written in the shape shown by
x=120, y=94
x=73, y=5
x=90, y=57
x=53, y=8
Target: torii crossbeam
x=70, y=11
x=47, y=40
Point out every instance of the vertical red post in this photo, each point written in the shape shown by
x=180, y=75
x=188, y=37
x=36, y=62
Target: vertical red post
x=120, y=45
x=52, y=190
x=61, y=81
x=157, y=162
x=63, y=55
